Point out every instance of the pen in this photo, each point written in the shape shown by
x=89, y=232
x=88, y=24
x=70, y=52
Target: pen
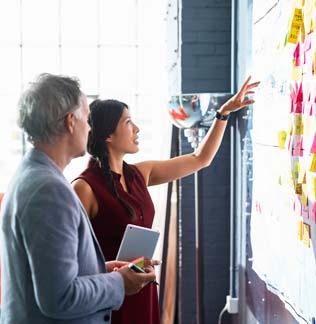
x=138, y=269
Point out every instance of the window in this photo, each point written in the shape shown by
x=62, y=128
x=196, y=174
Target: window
x=116, y=48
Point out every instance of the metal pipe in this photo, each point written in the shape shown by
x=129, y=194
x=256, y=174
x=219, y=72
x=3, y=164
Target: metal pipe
x=198, y=253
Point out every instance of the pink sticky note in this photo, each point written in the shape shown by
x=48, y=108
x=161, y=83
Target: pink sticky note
x=299, y=94
x=297, y=55
x=313, y=148
x=313, y=216
x=305, y=211
x=298, y=107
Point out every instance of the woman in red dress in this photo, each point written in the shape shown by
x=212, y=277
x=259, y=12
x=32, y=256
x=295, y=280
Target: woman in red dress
x=115, y=193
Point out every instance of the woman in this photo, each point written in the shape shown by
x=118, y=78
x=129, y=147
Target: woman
x=115, y=193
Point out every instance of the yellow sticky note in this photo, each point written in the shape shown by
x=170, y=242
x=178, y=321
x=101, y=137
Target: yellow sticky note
x=295, y=171
x=299, y=126
x=303, y=32
x=304, y=194
x=313, y=164
x=311, y=187
x=297, y=22
x=300, y=230
x=306, y=234
x=281, y=139
x=297, y=73
x=302, y=174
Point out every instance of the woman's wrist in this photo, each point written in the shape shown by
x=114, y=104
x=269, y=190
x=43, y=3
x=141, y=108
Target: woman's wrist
x=222, y=115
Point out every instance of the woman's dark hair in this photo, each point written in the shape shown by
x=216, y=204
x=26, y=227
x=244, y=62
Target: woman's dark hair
x=103, y=120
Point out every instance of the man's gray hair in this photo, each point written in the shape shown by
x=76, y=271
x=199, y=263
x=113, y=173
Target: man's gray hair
x=45, y=104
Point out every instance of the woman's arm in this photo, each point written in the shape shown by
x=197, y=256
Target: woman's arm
x=86, y=196
x=157, y=172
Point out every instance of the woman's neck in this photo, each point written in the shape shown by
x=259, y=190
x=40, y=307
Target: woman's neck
x=116, y=165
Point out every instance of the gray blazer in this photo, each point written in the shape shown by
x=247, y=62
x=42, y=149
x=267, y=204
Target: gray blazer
x=52, y=267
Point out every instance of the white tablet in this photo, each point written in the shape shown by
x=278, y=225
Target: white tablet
x=137, y=241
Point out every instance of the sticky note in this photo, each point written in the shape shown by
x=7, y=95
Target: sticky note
x=298, y=188
x=281, y=139
x=298, y=107
x=296, y=170
x=297, y=57
x=305, y=211
x=296, y=24
x=299, y=126
x=139, y=262
x=300, y=230
x=302, y=174
x=306, y=234
x=304, y=195
x=313, y=215
x=297, y=73
x=313, y=164
x=313, y=147
x=297, y=146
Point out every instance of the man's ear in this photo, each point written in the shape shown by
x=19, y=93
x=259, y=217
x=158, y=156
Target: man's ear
x=70, y=122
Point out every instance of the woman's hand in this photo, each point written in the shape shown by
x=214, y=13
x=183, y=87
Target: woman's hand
x=238, y=101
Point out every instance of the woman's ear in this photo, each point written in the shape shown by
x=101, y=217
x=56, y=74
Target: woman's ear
x=109, y=139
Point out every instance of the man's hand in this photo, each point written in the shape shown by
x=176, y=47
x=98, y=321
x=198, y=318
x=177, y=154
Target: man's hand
x=114, y=265
x=135, y=281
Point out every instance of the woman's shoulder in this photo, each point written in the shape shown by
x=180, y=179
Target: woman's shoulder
x=132, y=172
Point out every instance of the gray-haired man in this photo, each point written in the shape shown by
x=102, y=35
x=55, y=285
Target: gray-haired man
x=53, y=270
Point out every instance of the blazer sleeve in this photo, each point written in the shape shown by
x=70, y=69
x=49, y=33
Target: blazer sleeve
x=50, y=225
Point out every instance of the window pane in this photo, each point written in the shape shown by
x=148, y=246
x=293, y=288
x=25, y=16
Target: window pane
x=150, y=23
x=41, y=27
x=118, y=22
x=150, y=73
x=79, y=22
x=10, y=22
x=39, y=60
x=10, y=67
x=82, y=63
x=10, y=142
x=118, y=67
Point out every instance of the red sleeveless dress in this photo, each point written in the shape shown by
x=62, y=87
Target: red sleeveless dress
x=109, y=226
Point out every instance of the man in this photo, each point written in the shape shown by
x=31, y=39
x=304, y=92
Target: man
x=53, y=270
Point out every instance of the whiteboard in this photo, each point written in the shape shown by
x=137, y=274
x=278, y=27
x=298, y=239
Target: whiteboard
x=283, y=229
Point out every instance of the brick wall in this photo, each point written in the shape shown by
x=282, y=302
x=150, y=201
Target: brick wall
x=206, y=46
